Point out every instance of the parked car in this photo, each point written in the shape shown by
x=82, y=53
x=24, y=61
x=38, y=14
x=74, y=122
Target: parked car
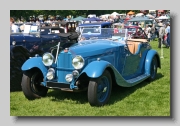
x=93, y=66
x=133, y=30
x=136, y=32
x=140, y=20
x=33, y=39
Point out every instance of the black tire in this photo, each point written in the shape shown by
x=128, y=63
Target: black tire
x=31, y=86
x=99, y=89
x=16, y=61
x=153, y=69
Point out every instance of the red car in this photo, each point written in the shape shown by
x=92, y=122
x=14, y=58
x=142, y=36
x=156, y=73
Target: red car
x=136, y=32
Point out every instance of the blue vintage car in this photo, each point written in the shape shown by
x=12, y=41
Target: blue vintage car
x=34, y=39
x=91, y=65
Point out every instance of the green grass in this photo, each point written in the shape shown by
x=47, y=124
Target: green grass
x=144, y=99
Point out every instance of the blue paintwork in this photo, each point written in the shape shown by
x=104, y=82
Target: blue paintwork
x=128, y=69
x=33, y=42
x=96, y=68
x=35, y=62
x=149, y=58
x=40, y=41
x=64, y=66
x=135, y=61
x=96, y=47
x=101, y=94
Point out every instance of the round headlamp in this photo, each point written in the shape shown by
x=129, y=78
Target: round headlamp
x=48, y=59
x=78, y=62
x=51, y=74
x=69, y=77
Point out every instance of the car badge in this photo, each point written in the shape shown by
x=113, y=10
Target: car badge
x=66, y=50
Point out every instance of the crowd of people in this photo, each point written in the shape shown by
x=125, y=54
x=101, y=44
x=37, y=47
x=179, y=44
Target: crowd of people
x=163, y=34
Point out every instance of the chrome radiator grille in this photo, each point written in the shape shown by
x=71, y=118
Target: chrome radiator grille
x=64, y=66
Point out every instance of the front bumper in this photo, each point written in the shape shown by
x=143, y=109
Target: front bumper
x=57, y=85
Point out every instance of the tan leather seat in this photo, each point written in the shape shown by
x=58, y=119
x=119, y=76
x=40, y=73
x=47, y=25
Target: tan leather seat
x=133, y=46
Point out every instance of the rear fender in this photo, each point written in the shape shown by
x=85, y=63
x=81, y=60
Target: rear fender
x=35, y=62
x=149, y=58
x=96, y=68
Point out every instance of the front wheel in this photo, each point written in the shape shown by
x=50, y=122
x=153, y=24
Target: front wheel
x=99, y=89
x=31, y=86
x=153, y=69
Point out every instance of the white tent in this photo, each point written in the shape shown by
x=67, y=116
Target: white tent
x=105, y=15
x=162, y=17
x=139, y=14
x=115, y=13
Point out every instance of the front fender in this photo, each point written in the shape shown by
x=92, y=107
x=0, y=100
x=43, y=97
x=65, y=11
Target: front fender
x=149, y=58
x=34, y=62
x=96, y=68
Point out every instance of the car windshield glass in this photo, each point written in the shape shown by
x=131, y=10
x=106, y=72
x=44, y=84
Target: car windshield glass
x=104, y=33
x=27, y=28
x=91, y=29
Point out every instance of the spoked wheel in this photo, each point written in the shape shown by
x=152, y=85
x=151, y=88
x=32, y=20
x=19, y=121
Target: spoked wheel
x=31, y=86
x=153, y=69
x=99, y=89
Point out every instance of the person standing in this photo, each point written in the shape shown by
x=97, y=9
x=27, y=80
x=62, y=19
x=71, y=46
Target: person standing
x=167, y=30
x=147, y=31
x=153, y=32
x=13, y=28
x=161, y=35
x=149, y=35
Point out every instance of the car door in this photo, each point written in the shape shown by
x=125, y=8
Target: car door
x=133, y=64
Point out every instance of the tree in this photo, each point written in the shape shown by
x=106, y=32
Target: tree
x=63, y=13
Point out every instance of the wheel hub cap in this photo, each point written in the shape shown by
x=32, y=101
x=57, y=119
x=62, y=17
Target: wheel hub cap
x=105, y=89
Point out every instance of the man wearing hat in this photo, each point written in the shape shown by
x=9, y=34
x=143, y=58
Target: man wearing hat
x=161, y=35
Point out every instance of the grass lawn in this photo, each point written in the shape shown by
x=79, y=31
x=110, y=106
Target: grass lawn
x=144, y=99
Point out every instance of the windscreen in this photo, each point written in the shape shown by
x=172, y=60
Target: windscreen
x=26, y=28
x=91, y=30
x=103, y=33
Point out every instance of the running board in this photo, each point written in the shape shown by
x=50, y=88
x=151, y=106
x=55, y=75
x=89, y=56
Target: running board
x=138, y=78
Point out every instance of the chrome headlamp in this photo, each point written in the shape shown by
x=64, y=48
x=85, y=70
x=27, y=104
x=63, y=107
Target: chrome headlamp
x=48, y=59
x=78, y=62
x=51, y=74
x=69, y=78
